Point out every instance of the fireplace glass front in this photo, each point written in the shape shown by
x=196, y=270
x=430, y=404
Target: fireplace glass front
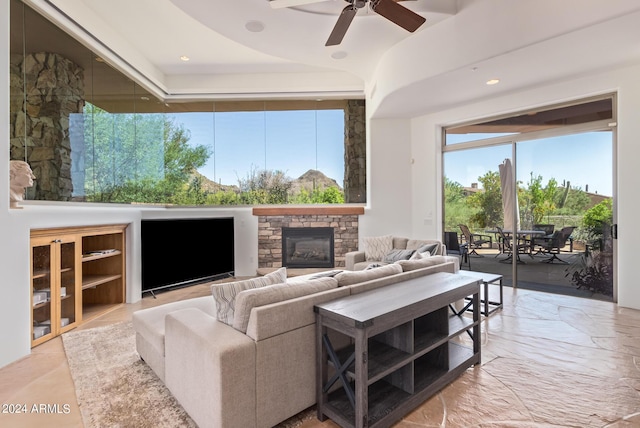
x=307, y=247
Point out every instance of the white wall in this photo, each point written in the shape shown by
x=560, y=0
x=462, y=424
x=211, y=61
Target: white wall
x=426, y=148
x=389, y=167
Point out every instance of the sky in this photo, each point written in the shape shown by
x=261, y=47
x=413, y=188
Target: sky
x=290, y=141
x=296, y=141
x=585, y=160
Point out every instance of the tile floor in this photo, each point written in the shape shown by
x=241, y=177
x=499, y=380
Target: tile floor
x=547, y=361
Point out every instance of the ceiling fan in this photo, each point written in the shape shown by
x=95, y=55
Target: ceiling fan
x=389, y=9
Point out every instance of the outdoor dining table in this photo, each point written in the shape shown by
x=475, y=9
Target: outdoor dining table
x=521, y=233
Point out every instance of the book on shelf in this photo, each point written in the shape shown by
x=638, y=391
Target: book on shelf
x=99, y=252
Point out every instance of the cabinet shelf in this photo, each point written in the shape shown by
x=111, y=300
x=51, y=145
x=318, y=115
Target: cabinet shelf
x=41, y=305
x=90, y=256
x=91, y=281
x=40, y=273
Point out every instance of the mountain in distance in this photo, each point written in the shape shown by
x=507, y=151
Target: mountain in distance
x=312, y=179
x=210, y=186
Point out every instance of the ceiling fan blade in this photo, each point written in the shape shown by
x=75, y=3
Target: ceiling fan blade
x=341, y=27
x=279, y=4
x=400, y=15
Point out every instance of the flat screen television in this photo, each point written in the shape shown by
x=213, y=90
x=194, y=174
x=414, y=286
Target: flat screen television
x=181, y=252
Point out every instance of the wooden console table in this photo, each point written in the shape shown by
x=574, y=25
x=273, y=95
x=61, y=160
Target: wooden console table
x=406, y=346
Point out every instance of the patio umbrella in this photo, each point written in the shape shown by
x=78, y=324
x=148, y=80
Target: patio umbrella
x=509, y=196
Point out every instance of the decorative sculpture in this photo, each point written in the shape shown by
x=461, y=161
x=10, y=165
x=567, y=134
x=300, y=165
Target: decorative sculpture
x=20, y=177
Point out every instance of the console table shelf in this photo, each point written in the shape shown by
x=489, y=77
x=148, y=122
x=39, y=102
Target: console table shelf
x=404, y=348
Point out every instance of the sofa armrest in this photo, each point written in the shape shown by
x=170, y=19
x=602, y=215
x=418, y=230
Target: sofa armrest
x=353, y=257
x=210, y=368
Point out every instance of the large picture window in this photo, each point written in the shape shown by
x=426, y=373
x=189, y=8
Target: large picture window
x=92, y=134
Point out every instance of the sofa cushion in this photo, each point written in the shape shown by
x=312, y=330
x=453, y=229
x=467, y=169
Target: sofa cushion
x=425, y=250
x=400, y=243
x=353, y=277
x=397, y=254
x=249, y=299
x=225, y=293
x=409, y=265
x=376, y=247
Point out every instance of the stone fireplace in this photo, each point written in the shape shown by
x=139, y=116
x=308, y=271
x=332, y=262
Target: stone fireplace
x=307, y=247
x=342, y=221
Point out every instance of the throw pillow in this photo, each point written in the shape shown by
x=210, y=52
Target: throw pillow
x=354, y=277
x=426, y=249
x=409, y=265
x=414, y=244
x=373, y=266
x=395, y=255
x=419, y=256
x=376, y=247
x=249, y=299
x=225, y=293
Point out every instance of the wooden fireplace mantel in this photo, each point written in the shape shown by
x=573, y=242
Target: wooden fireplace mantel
x=308, y=210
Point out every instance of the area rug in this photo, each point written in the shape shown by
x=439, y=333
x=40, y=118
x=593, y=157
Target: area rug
x=116, y=389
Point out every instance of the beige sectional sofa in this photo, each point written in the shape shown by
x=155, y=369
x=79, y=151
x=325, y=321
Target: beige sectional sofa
x=378, y=248
x=260, y=369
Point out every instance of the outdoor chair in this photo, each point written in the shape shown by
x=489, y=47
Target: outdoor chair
x=509, y=246
x=537, y=242
x=454, y=247
x=556, y=243
x=475, y=240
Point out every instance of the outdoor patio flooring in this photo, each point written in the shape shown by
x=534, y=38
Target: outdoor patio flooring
x=534, y=273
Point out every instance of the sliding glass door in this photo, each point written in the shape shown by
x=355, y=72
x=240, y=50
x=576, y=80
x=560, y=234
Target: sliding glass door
x=566, y=190
x=531, y=197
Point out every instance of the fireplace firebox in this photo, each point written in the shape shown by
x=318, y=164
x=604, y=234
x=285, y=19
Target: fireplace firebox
x=307, y=247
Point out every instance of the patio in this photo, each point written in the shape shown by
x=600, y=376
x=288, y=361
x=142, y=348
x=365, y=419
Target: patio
x=534, y=273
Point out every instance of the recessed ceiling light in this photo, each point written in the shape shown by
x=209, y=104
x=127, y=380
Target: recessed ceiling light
x=99, y=59
x=144, y=98
x=493, y=81
x=254, y=26
x=339, y=55
x=184, y=58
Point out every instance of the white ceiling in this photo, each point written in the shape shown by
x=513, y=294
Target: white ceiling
x=446, y=62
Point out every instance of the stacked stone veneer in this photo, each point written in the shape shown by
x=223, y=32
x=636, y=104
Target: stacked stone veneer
x=46, y=90
x=345, y=233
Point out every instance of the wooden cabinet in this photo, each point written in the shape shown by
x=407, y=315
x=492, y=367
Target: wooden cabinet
x=77, y=274
x=407, y=344
x=55, y=279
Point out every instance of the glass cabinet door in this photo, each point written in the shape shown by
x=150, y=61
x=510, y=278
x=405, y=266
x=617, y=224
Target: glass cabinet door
x=54, y=280
x=67, y=290
x=41, y=282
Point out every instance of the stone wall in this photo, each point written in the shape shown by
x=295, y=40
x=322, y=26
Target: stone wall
x=355, y=152
x=39, y=122
x=345, y=229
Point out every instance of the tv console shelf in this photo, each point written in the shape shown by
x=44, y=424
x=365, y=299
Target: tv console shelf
x=407, y=343
x=77, y=274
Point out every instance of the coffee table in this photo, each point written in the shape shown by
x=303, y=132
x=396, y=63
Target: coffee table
x=487, y=306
